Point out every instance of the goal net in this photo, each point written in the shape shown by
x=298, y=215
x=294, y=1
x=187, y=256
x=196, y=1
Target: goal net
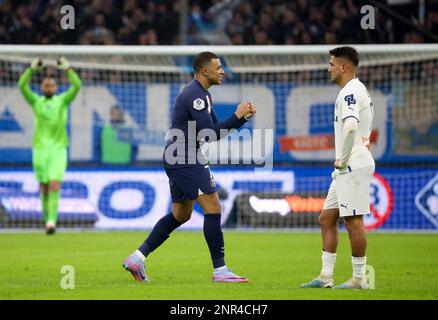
x=118, y=122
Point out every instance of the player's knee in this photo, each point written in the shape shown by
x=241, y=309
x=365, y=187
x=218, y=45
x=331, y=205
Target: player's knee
x=353, y=223
x=182, y=217
x=54, y=186
x=44, y=188
x=322, y=220
x=217, y=207
x=326, y=221
x=213, y=207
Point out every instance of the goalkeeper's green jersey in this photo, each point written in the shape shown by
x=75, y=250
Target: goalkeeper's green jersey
x=50, y=114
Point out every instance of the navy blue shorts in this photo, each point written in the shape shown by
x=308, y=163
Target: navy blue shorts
x=190, y=182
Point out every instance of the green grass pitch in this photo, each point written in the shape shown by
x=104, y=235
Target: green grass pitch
x=406, y=266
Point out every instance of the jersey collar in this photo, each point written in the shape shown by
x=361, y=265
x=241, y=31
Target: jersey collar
x=200, y=85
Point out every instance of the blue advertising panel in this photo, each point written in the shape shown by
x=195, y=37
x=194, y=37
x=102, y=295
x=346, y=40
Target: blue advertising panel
x=401, y=199
x=300, y=116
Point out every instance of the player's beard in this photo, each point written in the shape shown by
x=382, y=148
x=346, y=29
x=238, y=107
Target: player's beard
x=49, y=95
x=334, y=80
x=215, y=81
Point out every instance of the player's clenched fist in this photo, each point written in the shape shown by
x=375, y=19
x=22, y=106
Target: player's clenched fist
x=253, y=111
x=244, y=109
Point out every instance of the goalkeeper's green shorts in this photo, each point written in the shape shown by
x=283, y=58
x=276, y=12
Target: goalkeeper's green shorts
x=49, y=164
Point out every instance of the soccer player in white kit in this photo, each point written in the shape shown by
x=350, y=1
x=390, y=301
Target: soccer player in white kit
x=349, y=192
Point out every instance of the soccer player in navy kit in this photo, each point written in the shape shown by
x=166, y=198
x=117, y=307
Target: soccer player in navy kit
x=189, y=175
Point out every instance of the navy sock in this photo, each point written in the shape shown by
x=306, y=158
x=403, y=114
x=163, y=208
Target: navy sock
x=159, y=233
x=215, y=238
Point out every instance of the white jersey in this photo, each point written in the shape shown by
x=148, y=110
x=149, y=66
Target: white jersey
x=354, y=101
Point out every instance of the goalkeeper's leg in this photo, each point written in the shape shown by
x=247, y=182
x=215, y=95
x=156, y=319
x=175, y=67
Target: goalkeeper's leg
x=41, y=163
x=57, y=167
x=54, y=187
x=44, y=196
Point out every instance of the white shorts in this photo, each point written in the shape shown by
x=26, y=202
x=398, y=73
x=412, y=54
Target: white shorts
x=350, y=192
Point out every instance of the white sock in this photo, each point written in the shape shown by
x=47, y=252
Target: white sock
x=140, y=255
x=220, y=269
x=359, y=266
x=328, y=264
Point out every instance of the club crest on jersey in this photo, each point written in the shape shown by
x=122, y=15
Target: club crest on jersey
x=198, y=104
x=350, y=99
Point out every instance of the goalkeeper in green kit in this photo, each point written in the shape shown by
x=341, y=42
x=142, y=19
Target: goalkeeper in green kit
x=50, y=139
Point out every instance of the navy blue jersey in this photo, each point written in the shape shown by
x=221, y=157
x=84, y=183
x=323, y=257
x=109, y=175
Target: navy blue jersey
x=193, y=112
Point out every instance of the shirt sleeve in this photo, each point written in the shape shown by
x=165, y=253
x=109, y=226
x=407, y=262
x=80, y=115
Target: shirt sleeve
x=350, y=126
x=350, y=105
x=204, y=120
x=23, y=85
x=76, y=84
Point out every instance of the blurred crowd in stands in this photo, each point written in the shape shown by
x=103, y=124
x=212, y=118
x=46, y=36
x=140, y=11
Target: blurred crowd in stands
x=239, y=22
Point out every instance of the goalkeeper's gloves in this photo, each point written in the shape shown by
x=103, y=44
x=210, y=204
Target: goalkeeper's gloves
x=63, y=64
x=36, y=64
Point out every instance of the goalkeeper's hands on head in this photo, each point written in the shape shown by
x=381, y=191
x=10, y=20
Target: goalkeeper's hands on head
x=36, y=64
x=63, y=64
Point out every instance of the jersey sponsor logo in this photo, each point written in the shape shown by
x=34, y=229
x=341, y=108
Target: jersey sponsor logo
x=350, y=100
x=198, y=104
x=426, y=201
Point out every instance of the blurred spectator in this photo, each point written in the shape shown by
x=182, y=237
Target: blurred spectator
x=237, y=39
x=432, y=22
x=148, y=37
x=413, y=37
x=330, y=38
x=261, y=37
x=236, y=25
x=110, y=149
x=239, y=22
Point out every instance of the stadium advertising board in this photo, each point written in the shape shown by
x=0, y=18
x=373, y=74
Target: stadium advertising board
x=300, y=210
x=400, y=198
x=301, y=117
x=426, y=201
x=123, y=199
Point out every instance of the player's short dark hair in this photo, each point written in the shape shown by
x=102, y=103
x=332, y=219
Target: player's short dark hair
x=348, y=53
x=202, y=59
